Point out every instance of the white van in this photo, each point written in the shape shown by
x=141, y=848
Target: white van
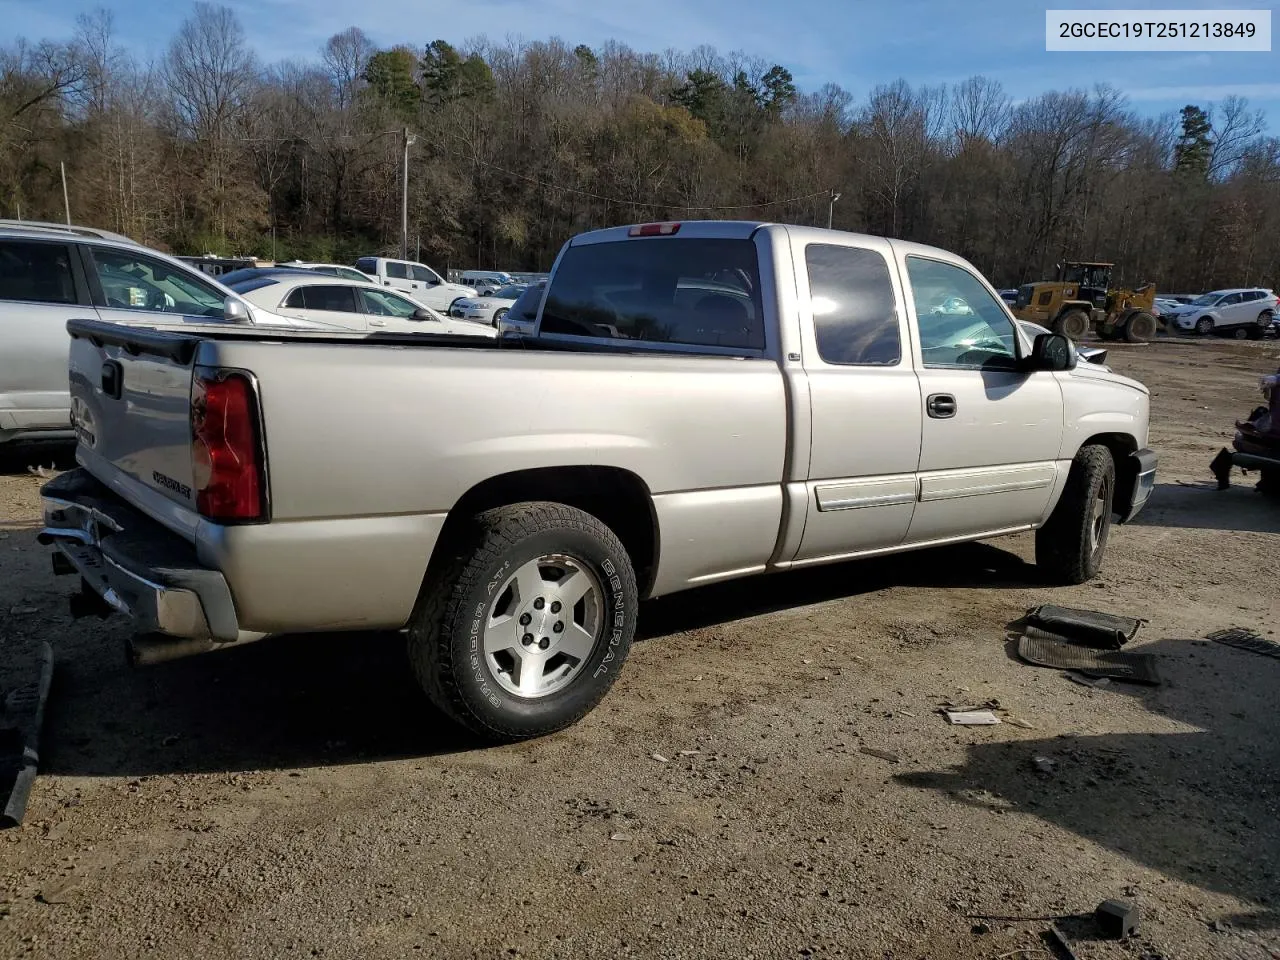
x=416, y=279
x=486, y=281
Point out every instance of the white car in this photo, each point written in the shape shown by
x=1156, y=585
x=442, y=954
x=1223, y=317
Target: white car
x=415, y=279
x=1242, y=312
x=333, y=269
x=350, y=305
x=487, y=309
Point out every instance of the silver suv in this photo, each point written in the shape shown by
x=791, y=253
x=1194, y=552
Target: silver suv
x=51, y=273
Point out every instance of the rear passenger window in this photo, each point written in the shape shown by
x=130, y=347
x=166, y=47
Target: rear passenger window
x=398, y=271
x=36, y=272
x=854, y=317
x=340, y=299
x=693, y=291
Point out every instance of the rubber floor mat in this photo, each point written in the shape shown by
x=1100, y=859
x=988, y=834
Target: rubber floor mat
x=1246, y=640
x=1089, y=627
x=1133, y=667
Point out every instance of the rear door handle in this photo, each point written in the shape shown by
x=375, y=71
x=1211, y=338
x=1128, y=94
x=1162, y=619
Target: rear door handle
x=941, y=406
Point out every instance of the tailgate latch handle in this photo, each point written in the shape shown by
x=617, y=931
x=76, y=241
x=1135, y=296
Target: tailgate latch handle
x=112, y=379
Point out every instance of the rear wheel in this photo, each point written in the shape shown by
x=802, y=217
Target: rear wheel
x=1204, y=326
x=1140, y=327
x=527, y=627
x=1070, y=546
x=1072, y=323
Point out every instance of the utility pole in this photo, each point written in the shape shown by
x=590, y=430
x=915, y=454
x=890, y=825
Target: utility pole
x=831, y=208
x=409, y=139
x=66, y=204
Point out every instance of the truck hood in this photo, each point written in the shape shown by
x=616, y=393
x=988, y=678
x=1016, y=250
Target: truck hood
x=1091, y=371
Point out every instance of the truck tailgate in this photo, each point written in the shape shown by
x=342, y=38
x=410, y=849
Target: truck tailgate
x=131, y=411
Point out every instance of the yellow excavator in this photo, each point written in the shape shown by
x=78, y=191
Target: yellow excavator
x=1082, y=296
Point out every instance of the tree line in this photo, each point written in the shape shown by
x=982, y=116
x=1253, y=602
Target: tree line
x=519, y=146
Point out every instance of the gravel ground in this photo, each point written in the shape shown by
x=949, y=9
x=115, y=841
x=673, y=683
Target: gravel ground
x=296, y=798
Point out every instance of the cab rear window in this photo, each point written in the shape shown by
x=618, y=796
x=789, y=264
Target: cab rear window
x=679, y=290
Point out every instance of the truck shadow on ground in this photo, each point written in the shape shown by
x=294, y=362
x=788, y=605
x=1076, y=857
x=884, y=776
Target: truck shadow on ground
x=19, y=458
x=1198, y=803
x=351, y=698
x=1240, y=509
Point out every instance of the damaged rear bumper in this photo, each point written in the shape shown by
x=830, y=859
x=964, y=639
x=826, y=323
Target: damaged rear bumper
x=137, y=567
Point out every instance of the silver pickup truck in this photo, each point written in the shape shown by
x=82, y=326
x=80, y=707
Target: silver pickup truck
x=697, y=401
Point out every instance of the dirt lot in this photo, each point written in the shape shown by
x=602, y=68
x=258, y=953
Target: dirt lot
x=295, y=798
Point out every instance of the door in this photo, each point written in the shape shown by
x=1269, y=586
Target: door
x=991, y=432
x=41, y=288
x=134, y=288
x=331, y=303
x=429, y=289
x=866, y=419
x=1231, y=310
x=397, y=275
x=391, y=312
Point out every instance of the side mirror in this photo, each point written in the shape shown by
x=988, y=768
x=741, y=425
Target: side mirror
x=422, y=314
x=1052, y=351
x=234, y=310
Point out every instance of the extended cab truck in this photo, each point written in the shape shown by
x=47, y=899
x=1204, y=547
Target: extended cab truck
x=697, y=402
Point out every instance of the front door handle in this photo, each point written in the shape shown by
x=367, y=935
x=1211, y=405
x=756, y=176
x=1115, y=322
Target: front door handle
x=941, y=406
x=377, y=323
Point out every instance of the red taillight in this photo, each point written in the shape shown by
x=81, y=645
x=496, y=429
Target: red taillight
x=653, y=230
x=226, y=456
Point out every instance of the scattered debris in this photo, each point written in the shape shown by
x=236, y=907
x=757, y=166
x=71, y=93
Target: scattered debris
x=972, y=718
x=806, y=661
x=689, y=753
x=1117, y=919
x=882, y=754
x=619, y=836
x=659, y=757
x=1090, y=628
x=1045, y=766
x=44, y=473
x=1243, y=639
x=20, y=722
x=23, y=611
x=1084, y=681
x=1133, y=667
x=1019, y=723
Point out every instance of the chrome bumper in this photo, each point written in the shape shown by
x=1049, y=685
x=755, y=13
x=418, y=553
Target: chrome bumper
x=136, y=566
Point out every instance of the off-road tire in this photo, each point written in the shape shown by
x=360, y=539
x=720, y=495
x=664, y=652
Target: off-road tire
x=1063, y=545
x=1204, y=326
x=1140, y=327
x=1073, y=324
x=445, y=623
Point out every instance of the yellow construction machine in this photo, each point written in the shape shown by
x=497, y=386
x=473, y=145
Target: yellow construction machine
x=1081, y=297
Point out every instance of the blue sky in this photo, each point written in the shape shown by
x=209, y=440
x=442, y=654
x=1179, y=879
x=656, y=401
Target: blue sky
x=856, y=43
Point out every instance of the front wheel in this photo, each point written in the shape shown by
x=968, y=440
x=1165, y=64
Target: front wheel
x=1070, y=546
x=1140, y=327
x=528, y=626
x=1204, y=326
x=1240, y=333
x=1073, y=324
x=499, y=316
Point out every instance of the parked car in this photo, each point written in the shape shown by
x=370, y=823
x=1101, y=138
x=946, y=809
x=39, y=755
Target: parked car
x=51, y=273
x=334, y=269
x=487, y=308
x=350, y=305
x=485, y=282
x=1239, y=313
x=251, y=273
x=510, y=507
x=416, y=279
x=523, y=314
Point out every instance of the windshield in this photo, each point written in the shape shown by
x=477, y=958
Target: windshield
x=1208, y=300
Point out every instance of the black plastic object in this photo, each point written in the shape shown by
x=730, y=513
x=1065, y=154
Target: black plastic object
x=1105, y=631
x=1117, y=919
x=1246, y=640
x=20, y=721
x=1133, y=667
